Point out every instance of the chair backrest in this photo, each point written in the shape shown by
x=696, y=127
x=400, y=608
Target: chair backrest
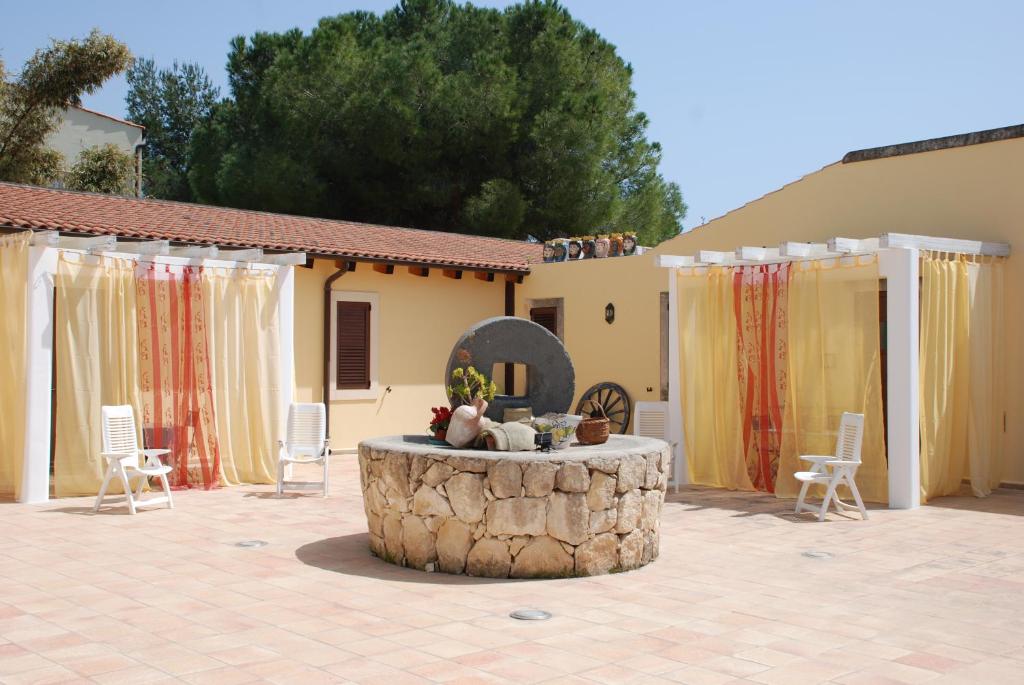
x=119, y=430
x=851, y=435
x=307, y=427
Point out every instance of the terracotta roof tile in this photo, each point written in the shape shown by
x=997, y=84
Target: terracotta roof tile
x=24, y=206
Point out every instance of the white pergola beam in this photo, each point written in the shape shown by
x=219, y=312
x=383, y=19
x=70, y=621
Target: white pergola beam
x=254, y=254
x=712, y=257
x=95, y=243
x=674, y=261
x=758, y=254
x=844, y=245
x=45, y=238
x=923, y=242
x=146, y=247
x=791, y=249
x=196, y=251
x=285, y=259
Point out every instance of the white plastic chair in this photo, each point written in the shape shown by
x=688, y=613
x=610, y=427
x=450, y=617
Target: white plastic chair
x=121, y=450
x=835, y=470
x=306, y=443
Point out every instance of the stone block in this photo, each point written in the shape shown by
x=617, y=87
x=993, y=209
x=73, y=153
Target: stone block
x=603, y=521
x=631, y=474
x=506, y=479
x=470, y=464
x=631, y=549
x=542, y=557
x=454, y=540
x=601, y=492
x=396, y=473
x=394, y=552
x=651, y=509
x=598, y=556
x=489, y=558
x=517, y=516
x=630, y=510
x=466, y=495
x=418, y=542
x=539, y=479
x=429, y=502
x=437, y=473
x=573, y=477
x=568, y=517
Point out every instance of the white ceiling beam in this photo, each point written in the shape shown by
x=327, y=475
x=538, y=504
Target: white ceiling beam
x=955, y=245
x=674, y=261
x=45, y=238
x=96, y=243
x=196, y=251
x=712, y=257
x=285, y=259
x=146, y=247
x=254, y=254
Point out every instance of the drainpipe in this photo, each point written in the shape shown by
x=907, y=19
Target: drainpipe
x=328, y=285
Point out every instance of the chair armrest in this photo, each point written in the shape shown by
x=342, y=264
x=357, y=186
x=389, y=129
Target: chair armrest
x=842, y=462
x=817, y=458
x=117, y=455
x=155, y=452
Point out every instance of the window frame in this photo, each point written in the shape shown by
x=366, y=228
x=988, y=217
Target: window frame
x=372, y=392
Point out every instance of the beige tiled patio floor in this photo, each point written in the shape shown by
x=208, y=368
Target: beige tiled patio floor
x=933, y=595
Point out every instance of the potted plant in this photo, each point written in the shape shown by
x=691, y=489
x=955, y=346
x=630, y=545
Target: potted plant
x=439, y=422
x=469, y=392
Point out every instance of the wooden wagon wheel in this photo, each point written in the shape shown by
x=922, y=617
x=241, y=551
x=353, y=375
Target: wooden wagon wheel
x=615, y=400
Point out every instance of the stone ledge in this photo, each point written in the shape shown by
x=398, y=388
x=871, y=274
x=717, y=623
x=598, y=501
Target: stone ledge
x=575, y=512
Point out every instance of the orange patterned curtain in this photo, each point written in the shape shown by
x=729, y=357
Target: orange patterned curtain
x=177, y=400
x=760, y=296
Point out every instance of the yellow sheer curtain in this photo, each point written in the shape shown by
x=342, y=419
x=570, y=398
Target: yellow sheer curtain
x=709, y=387
x=242, y=320
x=961, y=375
x=97, y=363
x=13, y=341
x=834, y=367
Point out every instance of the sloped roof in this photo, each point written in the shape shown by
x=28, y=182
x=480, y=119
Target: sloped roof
x=23, y=206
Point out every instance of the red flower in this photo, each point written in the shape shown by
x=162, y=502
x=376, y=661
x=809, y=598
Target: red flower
x=442, y=415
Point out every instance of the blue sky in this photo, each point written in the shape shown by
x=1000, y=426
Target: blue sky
x=743, y=96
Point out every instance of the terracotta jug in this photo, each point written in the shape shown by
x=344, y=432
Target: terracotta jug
x=465, y=423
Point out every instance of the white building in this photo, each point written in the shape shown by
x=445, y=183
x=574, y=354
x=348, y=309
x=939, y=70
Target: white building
x=81, y=129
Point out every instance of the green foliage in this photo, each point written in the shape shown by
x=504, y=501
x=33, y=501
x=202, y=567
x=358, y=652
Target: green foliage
x=103, y=169
x=170, y=103
x=438, y=115
x=469, y=384
x=30, y=103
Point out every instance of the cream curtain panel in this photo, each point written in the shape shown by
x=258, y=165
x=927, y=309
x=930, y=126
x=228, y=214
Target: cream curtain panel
x=97, y=363
x=712, y=419
x=13, y=324
x=962, y=391
x=242, y=320
x=834, y=367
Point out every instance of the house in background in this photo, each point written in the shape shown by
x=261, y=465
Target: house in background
x=81, y=129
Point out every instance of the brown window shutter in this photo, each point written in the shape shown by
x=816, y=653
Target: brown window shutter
x=352, y=360
x=546, y=317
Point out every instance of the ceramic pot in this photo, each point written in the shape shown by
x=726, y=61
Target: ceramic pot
x=589, y=248
x=549, y=252
x=575, y=250
x=464, y=425
x=629, y=244
x=561, y=250
x=615, y=246
x=601, y=247
x=440, y=434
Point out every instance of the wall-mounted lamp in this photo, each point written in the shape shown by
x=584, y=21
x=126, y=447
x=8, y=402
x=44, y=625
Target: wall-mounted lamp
x=609, y=312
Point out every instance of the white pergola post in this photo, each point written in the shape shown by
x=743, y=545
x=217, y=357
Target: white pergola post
x=286, y=331
x=675, y=409
x=35, y=475
x=900, y=268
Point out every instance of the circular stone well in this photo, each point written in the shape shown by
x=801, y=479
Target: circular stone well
x=581, y=511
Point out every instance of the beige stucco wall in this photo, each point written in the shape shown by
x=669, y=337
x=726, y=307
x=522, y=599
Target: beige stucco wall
x=624, y=352
x=420, y=321
x=80, y=130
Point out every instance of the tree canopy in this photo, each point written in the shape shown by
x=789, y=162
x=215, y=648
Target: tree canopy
x=103, y=169
x=30, y=103
x=170, y=103
x=438, y=115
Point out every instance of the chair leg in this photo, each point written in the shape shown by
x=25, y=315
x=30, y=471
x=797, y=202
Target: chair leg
x=280, y=477
x=325, y=477
x=127, y=491
x=827, y=500
x=167, y=490
x=803, y=494
x=857, y=498
x=103, y=488
x=142, y=484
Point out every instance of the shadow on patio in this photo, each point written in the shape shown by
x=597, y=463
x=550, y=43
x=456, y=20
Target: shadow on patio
x=748, y=504
x=350, y=555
